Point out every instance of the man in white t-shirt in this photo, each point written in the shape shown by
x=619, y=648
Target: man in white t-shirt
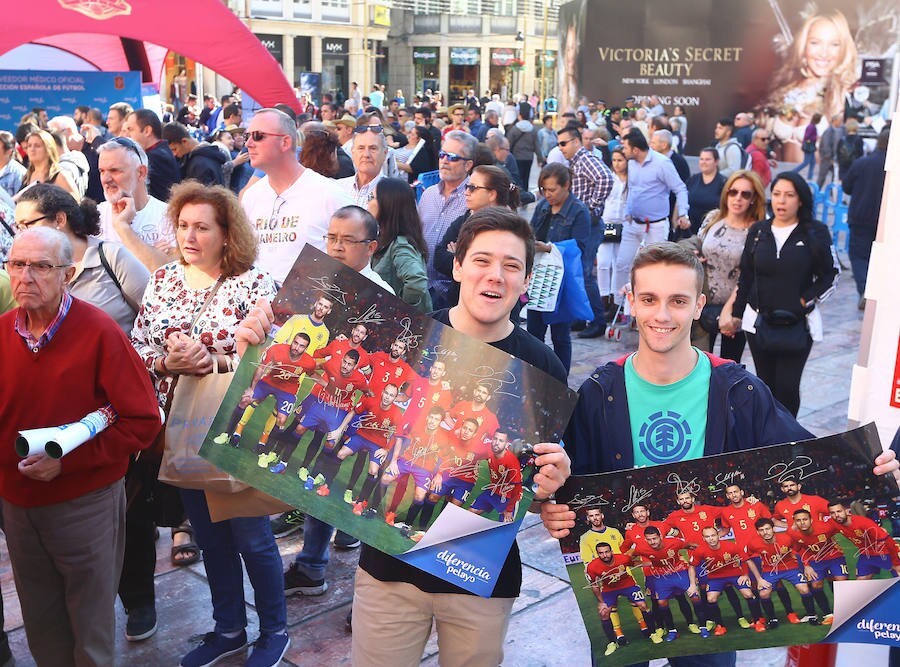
x=291, y=205
x=129, y=215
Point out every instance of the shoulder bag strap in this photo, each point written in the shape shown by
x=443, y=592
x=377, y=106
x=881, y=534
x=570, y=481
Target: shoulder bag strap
x=206, y=303
x=112, y=276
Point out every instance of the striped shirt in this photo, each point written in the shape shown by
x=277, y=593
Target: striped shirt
x=37, y=343
x=591, y=180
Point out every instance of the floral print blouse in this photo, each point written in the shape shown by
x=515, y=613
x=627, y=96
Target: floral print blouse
x=170, y=305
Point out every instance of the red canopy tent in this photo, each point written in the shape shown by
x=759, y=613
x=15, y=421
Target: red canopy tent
x=121, y=35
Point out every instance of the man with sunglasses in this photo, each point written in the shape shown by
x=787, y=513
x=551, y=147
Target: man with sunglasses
x=291, y=205
x=444, y=202
x=130, y=215
x=369, y=152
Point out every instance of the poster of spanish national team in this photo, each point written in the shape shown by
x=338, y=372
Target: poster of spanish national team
x=778, y=546
x=388, y=424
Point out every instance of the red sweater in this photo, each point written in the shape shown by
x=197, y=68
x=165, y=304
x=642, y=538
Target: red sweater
x=89, y=362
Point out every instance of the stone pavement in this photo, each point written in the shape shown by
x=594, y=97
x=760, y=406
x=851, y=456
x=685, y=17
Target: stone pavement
x=545, y=628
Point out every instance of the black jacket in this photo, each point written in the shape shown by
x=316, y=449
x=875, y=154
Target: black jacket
x=204, y=164
x=806, y=268
x=864, y=183
x=163, y=170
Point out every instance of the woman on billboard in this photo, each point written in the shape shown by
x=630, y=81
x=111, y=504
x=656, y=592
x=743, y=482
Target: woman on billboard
x=819, y=71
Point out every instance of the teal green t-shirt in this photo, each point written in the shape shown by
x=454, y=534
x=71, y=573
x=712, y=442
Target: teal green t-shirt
x=668, y=422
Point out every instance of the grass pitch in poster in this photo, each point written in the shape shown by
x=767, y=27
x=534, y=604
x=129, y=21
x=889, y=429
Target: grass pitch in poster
x=388, y=425
x=783, y=545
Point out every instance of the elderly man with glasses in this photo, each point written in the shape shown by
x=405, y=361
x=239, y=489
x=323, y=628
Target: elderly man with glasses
x=444, y=202
x=291, y=205
x=65, y=519
x=130, y=215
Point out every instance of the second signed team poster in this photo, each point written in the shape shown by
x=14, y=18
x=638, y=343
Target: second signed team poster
x=767, y=547
x=388, y=425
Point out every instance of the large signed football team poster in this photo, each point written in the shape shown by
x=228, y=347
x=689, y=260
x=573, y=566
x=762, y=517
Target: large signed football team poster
x=388, y=424
x=784, y=545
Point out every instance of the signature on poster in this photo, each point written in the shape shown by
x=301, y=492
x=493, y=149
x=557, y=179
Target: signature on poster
x=723, y=480
x=635, y=496
x=497, y=380
x=331, y=289
x=579, y=502
x=370, y=316
x=796, y=470
x=681, y=486
x=407, y=336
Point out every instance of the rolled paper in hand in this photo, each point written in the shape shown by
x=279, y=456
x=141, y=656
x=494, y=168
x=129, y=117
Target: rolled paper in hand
x=73, y=435
x=57, y=441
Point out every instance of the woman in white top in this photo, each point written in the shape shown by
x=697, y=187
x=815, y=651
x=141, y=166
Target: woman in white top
x=610, y=280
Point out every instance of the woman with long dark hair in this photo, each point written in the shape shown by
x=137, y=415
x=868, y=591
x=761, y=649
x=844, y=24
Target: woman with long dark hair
x=402, y=251
x=787, y=267
x=488, y=186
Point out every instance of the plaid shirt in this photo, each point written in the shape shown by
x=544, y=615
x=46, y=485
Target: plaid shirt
x=436, y=213
x=37, y=343
x=592, y=180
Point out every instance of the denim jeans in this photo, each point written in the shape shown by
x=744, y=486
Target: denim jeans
x=313, y=557
x=224, y=544
x=589, y=269
x=560, y=334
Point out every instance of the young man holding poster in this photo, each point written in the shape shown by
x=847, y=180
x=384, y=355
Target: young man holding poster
x=395, y=604
x=725, y=407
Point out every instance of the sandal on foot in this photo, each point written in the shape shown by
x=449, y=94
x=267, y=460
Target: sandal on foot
x=189, y=551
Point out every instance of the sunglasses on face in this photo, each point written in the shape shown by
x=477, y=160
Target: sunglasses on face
x=377, y=129
x=563, y=144
x=258, y=135
x=471, y=187
x=450, y=157
x=746, y=195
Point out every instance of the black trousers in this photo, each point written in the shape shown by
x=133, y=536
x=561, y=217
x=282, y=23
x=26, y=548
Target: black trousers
x=781, y=372
x=136, y=583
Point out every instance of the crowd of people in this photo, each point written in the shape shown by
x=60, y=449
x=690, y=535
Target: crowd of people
x=156, y=248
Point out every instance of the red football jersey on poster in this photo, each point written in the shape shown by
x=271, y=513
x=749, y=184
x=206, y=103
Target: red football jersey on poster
x=691, y=524
x=376, y=424
x=742, y=520
x=386, y=371
x=466, y=455
x=664, y=560
x=815, y=505
x=776, y=557
x=338, y=348
x=611, y=577
x=285, y=373
x=819, y=545
x=869, y=538
x=726, y=561
x=506, y=478
x=634, y=536
x=423, y=397
x=428, y=450
x=340, y=389
x=487, y=420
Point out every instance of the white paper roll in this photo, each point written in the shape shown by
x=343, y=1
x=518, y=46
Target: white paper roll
x=70, y=436
x=57, y=441
x=32, y=441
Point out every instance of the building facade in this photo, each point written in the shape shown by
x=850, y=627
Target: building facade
x=450, y=46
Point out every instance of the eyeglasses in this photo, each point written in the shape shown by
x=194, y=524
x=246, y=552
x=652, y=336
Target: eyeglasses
x=16, y=267
x=563, y=144
x=471, y=187
x=331, y=239
x=25, y=224
x=258, y=135
x=744, y=194
x=451, y=157
x=125, y=142
x=362, y=129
